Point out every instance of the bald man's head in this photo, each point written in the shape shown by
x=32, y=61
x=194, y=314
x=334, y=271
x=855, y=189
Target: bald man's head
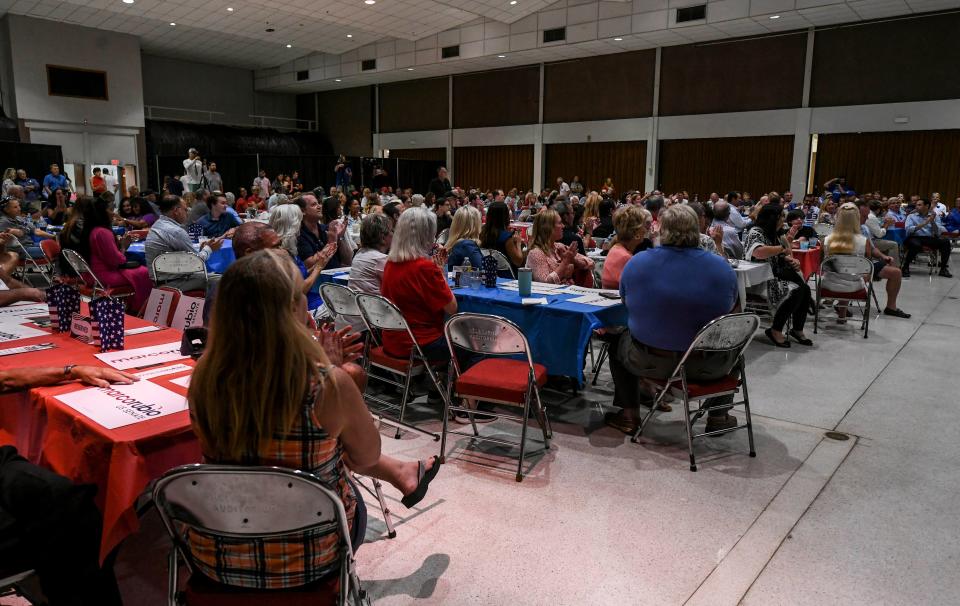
x=253, y=236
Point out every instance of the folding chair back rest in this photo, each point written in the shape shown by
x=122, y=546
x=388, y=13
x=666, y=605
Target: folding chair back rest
x=486, y=334
x=841, y=270
x=730, y=333
x=80, y=267
x=50, y=248
x=380, y=313
x=442, y=237
x=822, y=229
x=177, y=263
x=340, y=300
x=502, y=263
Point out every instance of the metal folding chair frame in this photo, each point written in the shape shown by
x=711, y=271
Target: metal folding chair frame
x=865, y=300
x=80, y=267
x=27, y=259
x=679, y=375
x=417, y=363
x=184, y=258
x=503, y=264
x=173, y=513
x=532, y=395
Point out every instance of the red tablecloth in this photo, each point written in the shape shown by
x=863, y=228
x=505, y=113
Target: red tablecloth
x=120, y=462
x=809, y=261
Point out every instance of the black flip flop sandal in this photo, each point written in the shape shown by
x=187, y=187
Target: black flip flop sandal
x=424, y=477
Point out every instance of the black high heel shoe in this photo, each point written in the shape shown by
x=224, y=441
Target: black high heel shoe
x=799, y=339
x=784, y=344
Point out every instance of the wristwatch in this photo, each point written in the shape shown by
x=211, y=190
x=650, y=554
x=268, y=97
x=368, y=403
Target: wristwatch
x=68, y=369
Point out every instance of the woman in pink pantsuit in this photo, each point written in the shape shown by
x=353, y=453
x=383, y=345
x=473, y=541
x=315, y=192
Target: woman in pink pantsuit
x=106, y=260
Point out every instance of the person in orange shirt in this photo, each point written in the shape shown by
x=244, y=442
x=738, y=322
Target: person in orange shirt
x=97, y=183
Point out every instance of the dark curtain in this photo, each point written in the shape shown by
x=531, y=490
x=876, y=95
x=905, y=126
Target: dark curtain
x=33, y=158
x=625, y=162
x=498, y=167
x=918, y=162
x=702, y=166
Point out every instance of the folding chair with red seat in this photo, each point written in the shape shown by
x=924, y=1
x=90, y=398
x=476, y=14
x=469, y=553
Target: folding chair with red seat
x=41, y=265
x=727, y=338
x=176, y=264
x=500, y=378
x=379, y=315
x=239, y=504
x=846, y=278
x=89, y=284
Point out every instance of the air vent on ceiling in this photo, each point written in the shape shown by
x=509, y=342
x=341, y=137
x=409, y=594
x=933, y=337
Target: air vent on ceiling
x=448, y=52
x=554, y=35
x=692, y=13
x=302, y=75
x=368, y=64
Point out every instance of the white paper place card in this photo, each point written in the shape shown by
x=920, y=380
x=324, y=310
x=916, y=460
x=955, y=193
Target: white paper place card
x=163, y=370
x=182, y=381
x=534, y=300
x=144, y=356
x=10, y=331
x=158, y=306
x=142, y=330
x=12, y=351
x=122, y=405
x=594, y=300
x=334, y=272
x=189, y=313
x=24, y=310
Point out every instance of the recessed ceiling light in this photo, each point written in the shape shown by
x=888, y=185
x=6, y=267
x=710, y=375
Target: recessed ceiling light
x=409, y=69
x=229, y=9
x=512, y=2
x=172, y=24
x=337, y=80
x=128, y=1
x=618, y=39
x=289, y=46
x=349, y=35
x=370, y=2
x=501, y=56
x=774, y=16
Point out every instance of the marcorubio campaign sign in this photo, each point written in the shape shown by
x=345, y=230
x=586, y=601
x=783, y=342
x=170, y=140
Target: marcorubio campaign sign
x=121, y=405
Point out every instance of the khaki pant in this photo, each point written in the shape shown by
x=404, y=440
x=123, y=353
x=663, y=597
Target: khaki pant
x=889, y=248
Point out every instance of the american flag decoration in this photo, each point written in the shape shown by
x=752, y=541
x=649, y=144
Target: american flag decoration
x=107, y=323
x=63, y=301
x=195, y=231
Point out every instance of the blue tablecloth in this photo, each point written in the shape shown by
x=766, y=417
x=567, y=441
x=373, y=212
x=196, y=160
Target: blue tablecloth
x=217, y=263
x=896, y=234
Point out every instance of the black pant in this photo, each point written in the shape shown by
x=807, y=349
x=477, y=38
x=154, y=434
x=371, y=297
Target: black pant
x=50, y=525
x=631, y=361
x=914, y=244
x=795, y=305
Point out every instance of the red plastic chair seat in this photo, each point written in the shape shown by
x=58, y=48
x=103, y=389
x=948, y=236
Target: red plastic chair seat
x=500, y=379
x=699, y=390
x=859, y=295
x=201, y=591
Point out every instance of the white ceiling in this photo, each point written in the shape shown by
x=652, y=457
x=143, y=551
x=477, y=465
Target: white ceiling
x=405, y=36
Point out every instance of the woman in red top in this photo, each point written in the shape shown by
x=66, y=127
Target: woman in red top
x=417, y=285
x=97, y=183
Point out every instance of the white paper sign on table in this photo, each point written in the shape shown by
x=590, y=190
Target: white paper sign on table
x=334, y=272
x=10, y=331
x=182, y=381
x=23, y=310
x=122, y=405
x=144, y=356
x=595, y=300
x=158, y=307
x=534, y=301
x=142, y=330
x=163, y=370
x=189, y=313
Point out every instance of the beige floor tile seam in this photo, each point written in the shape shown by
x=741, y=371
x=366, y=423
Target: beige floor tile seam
x=727, y=581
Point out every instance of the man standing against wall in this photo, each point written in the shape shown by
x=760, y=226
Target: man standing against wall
x=214, y=180
x=192, y=170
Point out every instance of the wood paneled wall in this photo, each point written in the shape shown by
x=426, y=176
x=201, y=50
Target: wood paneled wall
x=415, y=105
x=702, y=166
x=500, y=167
x=625, y=162
x=901, y=60
x=605, y=87
x=499, y=98
x=346, y=118
x=918, y=162
x=744, y=75
x=427, y=153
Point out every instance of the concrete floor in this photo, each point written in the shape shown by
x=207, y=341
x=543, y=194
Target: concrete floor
x=600, y=520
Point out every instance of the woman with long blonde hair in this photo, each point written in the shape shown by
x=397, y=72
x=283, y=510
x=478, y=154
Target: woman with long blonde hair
x=294, y=408
x=463, y=243
x=847, y=238
x=591, y=208
x=550, y=260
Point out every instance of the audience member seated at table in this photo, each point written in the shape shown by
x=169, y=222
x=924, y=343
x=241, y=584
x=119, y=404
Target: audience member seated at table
x=550, y=260
x=924, y=228
x=462, y=244
x=108, y=262
x=196, y=206
x=12, y=290
x=827, y=212
x=441, y=209
x=286, y=220
x=850, y=237
x=952, y=221
x=604, y=228
x=49, y=524
x=366, y=272
x=570, y=232
x=787, y=293
x=870, y=214
x=247, y=201
x=632, y=223
x=670, y=292
x=315, y=238
x=169, y=235
x=217, y=222
x=56, y=210
x=297, y=408
x=804, y=231
x=11, y=221
x=731, y=238
x=711, y=237
x=131, y=215
x=894, y=212
x=497, y=235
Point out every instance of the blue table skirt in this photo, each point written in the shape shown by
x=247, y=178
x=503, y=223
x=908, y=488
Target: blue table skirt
x=896, y=234
x=217, y=262
x=558, y=332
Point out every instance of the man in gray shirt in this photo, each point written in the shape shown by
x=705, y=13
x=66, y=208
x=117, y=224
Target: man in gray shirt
x=722, y=212
x=214, y=180
x=169, y=235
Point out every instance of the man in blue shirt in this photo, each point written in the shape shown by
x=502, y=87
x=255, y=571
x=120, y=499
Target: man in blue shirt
x=925, y=229
x=53, y=181
x=670, y=292
x=31, y=188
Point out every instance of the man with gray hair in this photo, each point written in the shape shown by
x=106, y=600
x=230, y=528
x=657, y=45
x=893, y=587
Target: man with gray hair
x=731, y=240
x=416, y=200
x=670, y=292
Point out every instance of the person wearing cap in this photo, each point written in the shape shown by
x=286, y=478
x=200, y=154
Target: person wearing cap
x=192, y=170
